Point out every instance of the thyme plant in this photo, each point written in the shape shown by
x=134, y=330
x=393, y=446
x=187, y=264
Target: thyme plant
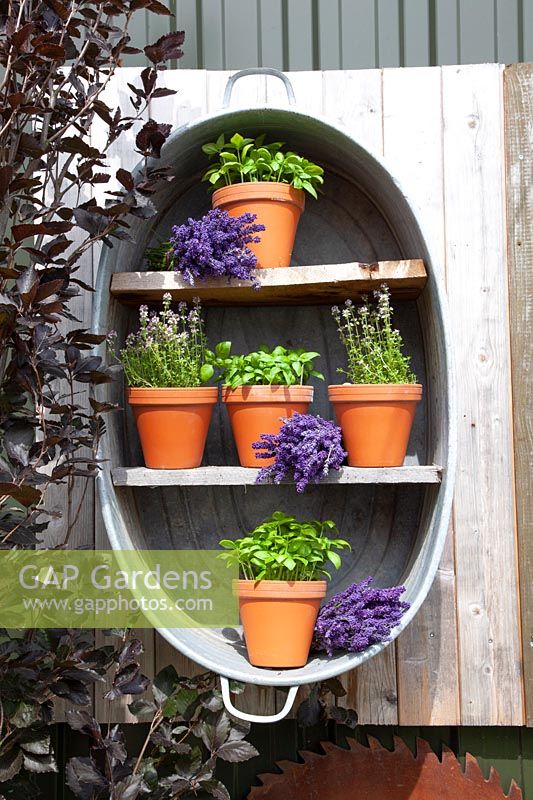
x=374, y=348
x=168, y=350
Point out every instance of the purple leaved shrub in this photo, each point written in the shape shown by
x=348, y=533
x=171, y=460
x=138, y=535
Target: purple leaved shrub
x=358, y=617
x=305, y=449
x=216, y=245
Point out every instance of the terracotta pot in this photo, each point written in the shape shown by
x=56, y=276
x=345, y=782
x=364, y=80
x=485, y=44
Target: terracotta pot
x=376, y=421
x=278, y=618
x=173, y=424
x=278, y=207
x=254, y=410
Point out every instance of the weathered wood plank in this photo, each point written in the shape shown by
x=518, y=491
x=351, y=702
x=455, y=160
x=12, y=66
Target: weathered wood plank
x=246, y=476
x=307, y=87
x=327, y=283
x=486, y=563
x=354, y=99
x=361, y=115
x=427, y=668
x=518, y=86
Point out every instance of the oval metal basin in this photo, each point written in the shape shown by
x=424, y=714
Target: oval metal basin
x=397, y=531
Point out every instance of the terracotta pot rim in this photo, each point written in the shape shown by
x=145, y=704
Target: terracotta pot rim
x=354, y=391
x=374, y=385
x=259, y=190
x=280, y=589
x=267, y=394
x=192, y=395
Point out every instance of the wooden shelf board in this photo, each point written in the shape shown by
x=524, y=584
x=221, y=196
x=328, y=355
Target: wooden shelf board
x=244, y=476
x=324, y=283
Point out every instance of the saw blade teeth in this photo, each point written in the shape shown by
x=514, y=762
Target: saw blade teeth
x=287, y=766
x=308, y=756
x=515, y=793
x=354, y=745
x=423, y=749
x=374, y=743
x=494, y=778
x=366, y=770
x=401, y=748
x=472, y=769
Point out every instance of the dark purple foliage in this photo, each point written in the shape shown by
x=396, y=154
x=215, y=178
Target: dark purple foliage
x=216, y=245
x=358, y=617
x=306, y=448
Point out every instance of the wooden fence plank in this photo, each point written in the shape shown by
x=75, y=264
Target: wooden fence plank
x=487, y=603
x=427, y=651
x=518, y=84
x=354, y=99
x=307, y=89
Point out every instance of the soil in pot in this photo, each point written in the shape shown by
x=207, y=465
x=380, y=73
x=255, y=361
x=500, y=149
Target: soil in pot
x=376, y=421
x=254, y=410
x=173, y=424
x=278, y=207
x=278, y=619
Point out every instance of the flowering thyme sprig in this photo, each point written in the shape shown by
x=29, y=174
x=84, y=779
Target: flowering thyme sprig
x=358, y=617
x=211, y=247
x=168, y=350
x=306, y=448
x=373, y=346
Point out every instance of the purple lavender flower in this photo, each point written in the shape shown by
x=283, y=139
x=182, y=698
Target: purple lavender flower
x=216, y=245
x=306, y=448
x=358, y=617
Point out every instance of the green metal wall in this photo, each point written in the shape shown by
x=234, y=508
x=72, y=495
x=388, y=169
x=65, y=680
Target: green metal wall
x=345, y=34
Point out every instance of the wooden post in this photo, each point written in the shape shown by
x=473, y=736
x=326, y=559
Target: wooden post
x=518, y=99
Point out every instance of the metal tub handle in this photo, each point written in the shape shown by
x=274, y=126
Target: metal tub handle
x=254, y=717
x=258, y=71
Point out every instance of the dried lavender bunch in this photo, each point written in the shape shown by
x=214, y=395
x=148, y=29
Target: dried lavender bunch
x=211, y=247
x=168, y=350
x=306, y=448
x=358, y=617
x=373, y=346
